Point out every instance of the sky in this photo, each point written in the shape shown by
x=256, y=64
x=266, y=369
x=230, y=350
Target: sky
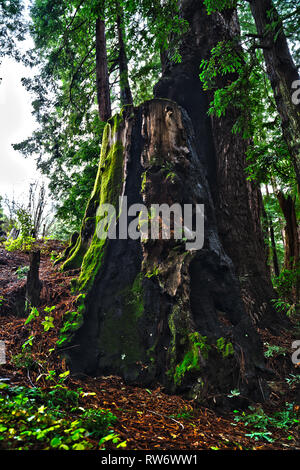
x=16, y=124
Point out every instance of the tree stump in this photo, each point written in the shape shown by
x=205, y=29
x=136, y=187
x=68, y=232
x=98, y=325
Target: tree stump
x=33, y=285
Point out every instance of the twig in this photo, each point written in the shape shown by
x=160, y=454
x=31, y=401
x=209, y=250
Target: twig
x=28, y=375
x=169, y=417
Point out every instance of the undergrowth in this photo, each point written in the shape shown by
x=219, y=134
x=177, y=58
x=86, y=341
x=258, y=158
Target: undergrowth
x=31, y=418
x=262, y=425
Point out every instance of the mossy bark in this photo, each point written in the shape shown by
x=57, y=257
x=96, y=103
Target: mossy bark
x=152, y=311
x=111, y=151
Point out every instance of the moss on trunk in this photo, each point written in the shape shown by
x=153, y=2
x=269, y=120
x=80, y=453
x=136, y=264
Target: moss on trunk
x=151, y=310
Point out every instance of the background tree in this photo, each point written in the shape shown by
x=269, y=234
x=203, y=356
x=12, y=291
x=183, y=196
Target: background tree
x=282, y=72
x=65, y=92
x=12, y=27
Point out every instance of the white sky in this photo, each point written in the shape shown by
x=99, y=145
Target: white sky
x=16, y=124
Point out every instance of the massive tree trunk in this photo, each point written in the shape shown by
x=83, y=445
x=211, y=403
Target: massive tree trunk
x=152, y=310
x=222, y=153
x=282, y=72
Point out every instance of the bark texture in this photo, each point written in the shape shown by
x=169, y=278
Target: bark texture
x=222, y=153
x=34, y=285
x=102, y=80
x=125, y=91
x=292, y=242
x=163, y=314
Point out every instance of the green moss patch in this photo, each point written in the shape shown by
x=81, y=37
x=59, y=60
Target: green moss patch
x=120, y=333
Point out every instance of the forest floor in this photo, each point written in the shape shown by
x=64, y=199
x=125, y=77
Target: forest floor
x=146, y=419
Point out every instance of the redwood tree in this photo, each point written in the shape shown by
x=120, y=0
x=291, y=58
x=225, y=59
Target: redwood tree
x=238, y=203
x=150, y=310
x=282, y=71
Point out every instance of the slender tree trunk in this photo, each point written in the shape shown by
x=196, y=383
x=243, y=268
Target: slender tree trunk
x=102, y=78
x=282, y=72
x=33, y=285
x=272, y=239
x=287, y=204
x=273, y=245
x=126, y=96
x=292, y=241
x=223, y=154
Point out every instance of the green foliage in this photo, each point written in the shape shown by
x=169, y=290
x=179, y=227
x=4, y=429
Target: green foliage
x=25, y=240
x=22, y=272
x=2, y=219
x=197, y=344
x=24, y=360
x=21, y=243
x=240, y=84
x=72, y=321
x=219, y=5
x=38, y=419
x=12, y=27
x=97, y=421
x=48, y=320
x=24, y=222
x=226, y=349
x=273, y=350
x=285, y=282
x=34, y=313
x=48, y=323
x=264, y=425
x=185, y=413
x=64, y=91
x=28, y=343
x=293, y=379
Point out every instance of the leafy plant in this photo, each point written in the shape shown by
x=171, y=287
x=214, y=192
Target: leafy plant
x=48, y=323
x=293, y=379
x=264, y=424
x=21, y=243
x=24, y=360
x=33, y=418
x=273, y=350
x=22, y=272
x=34, y=313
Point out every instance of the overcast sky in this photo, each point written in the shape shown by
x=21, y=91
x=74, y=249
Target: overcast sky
x=16, y=124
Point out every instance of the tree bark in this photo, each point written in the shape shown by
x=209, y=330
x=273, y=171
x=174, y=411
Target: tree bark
x=163, y=314
x=102, y=78
x=292, y=241
x=271, y=234
x=282, y=73
x=274, y=250
x=238, y=203
x=34, y=285
x=126, y=96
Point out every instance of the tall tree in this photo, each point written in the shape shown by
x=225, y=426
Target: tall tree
x=72, y=85
x=12, y=27
x=126, y=95
x=223, y=153
x=166, y=314
x=282, y=72
x=102, y=78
